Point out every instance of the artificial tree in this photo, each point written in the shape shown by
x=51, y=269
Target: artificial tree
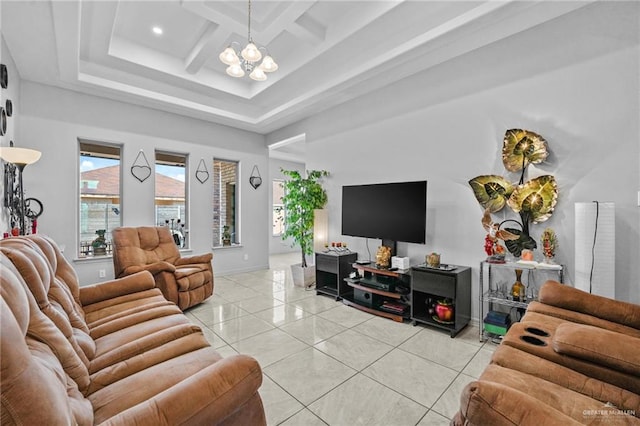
x=302, y=195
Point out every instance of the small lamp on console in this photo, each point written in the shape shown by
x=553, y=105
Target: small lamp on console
x=320, y=229
x=20, y=157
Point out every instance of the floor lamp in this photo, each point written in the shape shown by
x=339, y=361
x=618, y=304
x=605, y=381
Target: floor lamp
x=20, y=157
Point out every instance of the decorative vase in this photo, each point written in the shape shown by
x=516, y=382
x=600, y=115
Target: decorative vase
x=444, y=310
x=433, y=260
x=518, y=289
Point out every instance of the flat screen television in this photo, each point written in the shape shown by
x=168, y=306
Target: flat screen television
x=386, y=211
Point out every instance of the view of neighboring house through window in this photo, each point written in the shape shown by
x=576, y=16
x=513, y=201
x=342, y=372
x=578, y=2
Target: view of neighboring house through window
x=99, y=197
x=278, y=207
x=171, y=194
x=225, y=203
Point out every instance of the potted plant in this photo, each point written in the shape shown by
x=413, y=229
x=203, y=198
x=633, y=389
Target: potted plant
x=302, y=195
x=226, y=236
x=100, y=243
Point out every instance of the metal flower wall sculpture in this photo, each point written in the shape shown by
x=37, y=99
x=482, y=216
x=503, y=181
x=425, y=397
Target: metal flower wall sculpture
x=533, y=200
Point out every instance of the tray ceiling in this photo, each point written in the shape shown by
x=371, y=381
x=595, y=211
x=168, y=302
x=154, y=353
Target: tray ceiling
x=328, y=51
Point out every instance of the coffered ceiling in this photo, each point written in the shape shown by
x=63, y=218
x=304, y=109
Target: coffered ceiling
x=328, y=51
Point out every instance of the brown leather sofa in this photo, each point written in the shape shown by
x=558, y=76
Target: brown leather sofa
x=573, y=359
x=114, y=353
x=185, y=281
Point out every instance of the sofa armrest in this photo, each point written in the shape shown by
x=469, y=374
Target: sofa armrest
x=99, y=292
x=208, y=397
x=489, y=403
x=604, y=347
x=562, y=296
x=155, y=268
x=202, y=258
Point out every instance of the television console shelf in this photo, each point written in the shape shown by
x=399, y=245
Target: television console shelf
x=331, y=270
x=435, y=284
x=380, y=292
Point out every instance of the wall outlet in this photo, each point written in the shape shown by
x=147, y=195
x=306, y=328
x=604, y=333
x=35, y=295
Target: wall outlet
x=246, y=256
x=102, y=273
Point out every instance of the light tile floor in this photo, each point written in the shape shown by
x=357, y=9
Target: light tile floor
x=325, y=363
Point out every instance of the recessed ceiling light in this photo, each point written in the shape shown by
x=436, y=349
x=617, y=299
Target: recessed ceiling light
x=157, y=30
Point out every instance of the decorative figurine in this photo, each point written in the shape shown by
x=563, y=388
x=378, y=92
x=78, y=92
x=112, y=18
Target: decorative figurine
x=383, y=257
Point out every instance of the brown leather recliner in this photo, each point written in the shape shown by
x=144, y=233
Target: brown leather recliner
x=185, y=281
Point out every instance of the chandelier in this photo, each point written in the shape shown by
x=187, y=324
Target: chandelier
x=247, y=60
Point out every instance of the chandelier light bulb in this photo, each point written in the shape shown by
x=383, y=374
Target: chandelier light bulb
x=257, y=74
x=268, y=64
x=235, y=70
x=229, y=56
x=251, y=53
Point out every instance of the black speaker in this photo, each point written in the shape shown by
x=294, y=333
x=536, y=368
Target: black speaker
x=365, y=298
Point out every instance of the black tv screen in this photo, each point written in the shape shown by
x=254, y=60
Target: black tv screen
x=390, y=211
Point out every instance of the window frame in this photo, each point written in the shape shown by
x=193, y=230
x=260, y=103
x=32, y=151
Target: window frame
x=104, y=150
x=169, y=158
x=217, y=225
x=275, y=205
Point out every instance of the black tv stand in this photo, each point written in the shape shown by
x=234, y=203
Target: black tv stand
x=375, y=292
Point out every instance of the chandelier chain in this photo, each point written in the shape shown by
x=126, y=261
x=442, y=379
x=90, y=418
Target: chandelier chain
x=249, y=23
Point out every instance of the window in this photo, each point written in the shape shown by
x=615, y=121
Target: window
x=171, y=194
x=99, y=197
x=225, y=202
x=278, y=207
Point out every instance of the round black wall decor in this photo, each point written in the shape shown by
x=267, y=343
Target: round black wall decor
x=4, y=76
x=3, y=121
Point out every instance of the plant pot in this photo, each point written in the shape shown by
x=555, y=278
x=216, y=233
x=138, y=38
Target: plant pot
x=303, y=277
x=100, y=251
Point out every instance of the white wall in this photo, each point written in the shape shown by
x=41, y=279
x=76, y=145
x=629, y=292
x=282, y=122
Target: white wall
x=53, y=119
x=276, y=244
x=573, y=80
x=12, y=92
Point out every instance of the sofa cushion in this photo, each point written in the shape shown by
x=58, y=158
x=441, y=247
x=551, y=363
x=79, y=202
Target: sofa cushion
x=113, y=341
x=37, y=359
x=515, y=359
x=564, y=315
x=142, y=345
x=518, y=337
x=143, y=385
x=55, y=303
x=225, y=396
x=614, y=350
x=133, y=318
x=562, y=296
x=192, y=340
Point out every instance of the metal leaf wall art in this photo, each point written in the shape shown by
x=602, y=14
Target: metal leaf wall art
x=534, y=201
x=491, y=191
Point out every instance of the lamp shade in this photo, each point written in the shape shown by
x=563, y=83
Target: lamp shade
x=268, y=64
x=229, y=56
x=257, y=74
x=235, y=71
x=251, y=53
x=22, y=156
